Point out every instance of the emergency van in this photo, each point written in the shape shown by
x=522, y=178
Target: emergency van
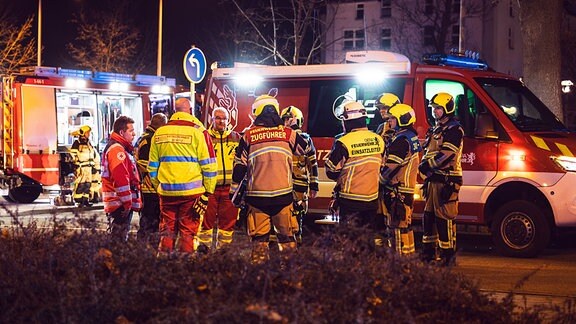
x=42, y=106
x=518, y=159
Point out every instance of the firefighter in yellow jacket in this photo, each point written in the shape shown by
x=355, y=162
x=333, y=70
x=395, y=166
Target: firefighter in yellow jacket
x=398, y=177
x=354, y=163
x=87, y=162
x=442, y=172
x=384, y=102
x=221, y=214
x=304, y=169
x=264, y=158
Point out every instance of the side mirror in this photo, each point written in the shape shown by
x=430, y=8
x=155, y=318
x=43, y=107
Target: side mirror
x=484, y=127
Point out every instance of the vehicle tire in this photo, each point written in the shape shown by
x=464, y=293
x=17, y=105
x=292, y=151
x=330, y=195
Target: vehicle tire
x=520, y=229
x=25, y=194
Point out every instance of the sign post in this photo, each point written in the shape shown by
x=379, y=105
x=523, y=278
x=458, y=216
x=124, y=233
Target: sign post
x=195, y=69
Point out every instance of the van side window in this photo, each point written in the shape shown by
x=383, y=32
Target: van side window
x=475, y=118
x=326, y=97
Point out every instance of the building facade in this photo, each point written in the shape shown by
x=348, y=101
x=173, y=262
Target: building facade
x=416, y=27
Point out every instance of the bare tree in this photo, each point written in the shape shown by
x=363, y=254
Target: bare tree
x=17, y=46
x=431, y=22
x=105, y=42
x=540, y=21
x=281, y=32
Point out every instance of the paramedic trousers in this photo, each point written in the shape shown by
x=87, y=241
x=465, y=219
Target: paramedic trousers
x=176, y=213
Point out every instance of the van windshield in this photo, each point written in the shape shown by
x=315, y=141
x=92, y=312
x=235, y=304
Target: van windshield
x=521, y=106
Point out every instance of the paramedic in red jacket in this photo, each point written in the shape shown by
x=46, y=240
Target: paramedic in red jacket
x=120, y=179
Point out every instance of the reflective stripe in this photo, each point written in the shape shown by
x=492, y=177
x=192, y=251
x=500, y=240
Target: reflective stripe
x=210, y=174
x=123, y=188
x=181, y=186
x=207, y=161
x=178, y=159
x=154, y=164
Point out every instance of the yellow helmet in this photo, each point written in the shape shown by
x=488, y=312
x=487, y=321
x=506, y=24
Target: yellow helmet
x=354, y=110
x=444, y=100
x=404, y=114
x=264, y=101
x=293, y=112
x=84, y=130
x=387, y=100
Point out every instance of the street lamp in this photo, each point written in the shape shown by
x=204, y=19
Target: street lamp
x=39, y=54
x=159, y=59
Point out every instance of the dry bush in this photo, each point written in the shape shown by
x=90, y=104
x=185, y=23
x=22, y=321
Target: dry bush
x=58, y=276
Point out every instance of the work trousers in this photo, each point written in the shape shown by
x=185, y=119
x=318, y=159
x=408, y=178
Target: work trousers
x=176, y=222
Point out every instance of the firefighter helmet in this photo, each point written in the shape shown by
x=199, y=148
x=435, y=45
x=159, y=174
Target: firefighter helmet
x=387, y=100
x=84, y=131
x=404, y=114
x=293, y=112
x=354, y=110
x=263, y=101
x=444, y=100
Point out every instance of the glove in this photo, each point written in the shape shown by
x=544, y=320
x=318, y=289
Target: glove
x=425, y=168
x=200, y=206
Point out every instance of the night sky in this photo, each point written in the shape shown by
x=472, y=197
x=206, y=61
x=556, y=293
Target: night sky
x=186, y=22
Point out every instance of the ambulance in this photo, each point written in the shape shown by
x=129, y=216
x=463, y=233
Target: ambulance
x=42, y=106
x=518, y=159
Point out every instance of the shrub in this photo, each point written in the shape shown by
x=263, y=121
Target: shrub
x=57, y=275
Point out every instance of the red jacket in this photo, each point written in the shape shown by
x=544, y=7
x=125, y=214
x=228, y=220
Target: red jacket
x=120, y=179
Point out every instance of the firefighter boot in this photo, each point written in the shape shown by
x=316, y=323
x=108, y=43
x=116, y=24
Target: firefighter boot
x=260, y=252
x=448, y=257
x=287, y=250
x=428, y=252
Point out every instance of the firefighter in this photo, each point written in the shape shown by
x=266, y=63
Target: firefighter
x=304, y=169
x=398, y=177
x=441, y=170
x=384, y=102
x=221, y=214
x=264, y=158
x=354, y=163
x=87, y=165
x=150, y=213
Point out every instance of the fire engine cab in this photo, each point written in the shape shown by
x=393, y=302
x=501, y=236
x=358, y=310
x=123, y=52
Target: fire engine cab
x=518, y=160
x=41, y=106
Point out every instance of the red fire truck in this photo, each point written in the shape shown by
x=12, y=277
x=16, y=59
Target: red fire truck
x=518, y=159
x=41, y=106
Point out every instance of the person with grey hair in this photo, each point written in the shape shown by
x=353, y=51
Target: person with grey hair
x=150, y=213
x=221, y=214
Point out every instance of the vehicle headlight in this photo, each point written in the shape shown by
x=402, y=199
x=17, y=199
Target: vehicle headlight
x=565, y=162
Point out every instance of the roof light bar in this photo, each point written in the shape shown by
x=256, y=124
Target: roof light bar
x=468, y=59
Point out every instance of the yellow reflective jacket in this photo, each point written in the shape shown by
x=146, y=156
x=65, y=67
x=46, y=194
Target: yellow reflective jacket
x=182, y=158
x=225, y=145
x=354, y=162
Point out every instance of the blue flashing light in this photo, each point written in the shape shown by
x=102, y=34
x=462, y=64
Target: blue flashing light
x=471, y=61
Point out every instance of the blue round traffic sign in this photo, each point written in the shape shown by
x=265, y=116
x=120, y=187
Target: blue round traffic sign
x=195, y=65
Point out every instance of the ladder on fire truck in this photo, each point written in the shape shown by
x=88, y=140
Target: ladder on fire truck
x=7, y=148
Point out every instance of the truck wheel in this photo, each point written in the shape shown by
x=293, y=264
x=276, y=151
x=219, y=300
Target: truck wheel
x=520, y=229
x=25, y=194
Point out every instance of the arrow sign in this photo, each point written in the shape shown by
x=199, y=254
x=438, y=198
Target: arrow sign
x=194, y=65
